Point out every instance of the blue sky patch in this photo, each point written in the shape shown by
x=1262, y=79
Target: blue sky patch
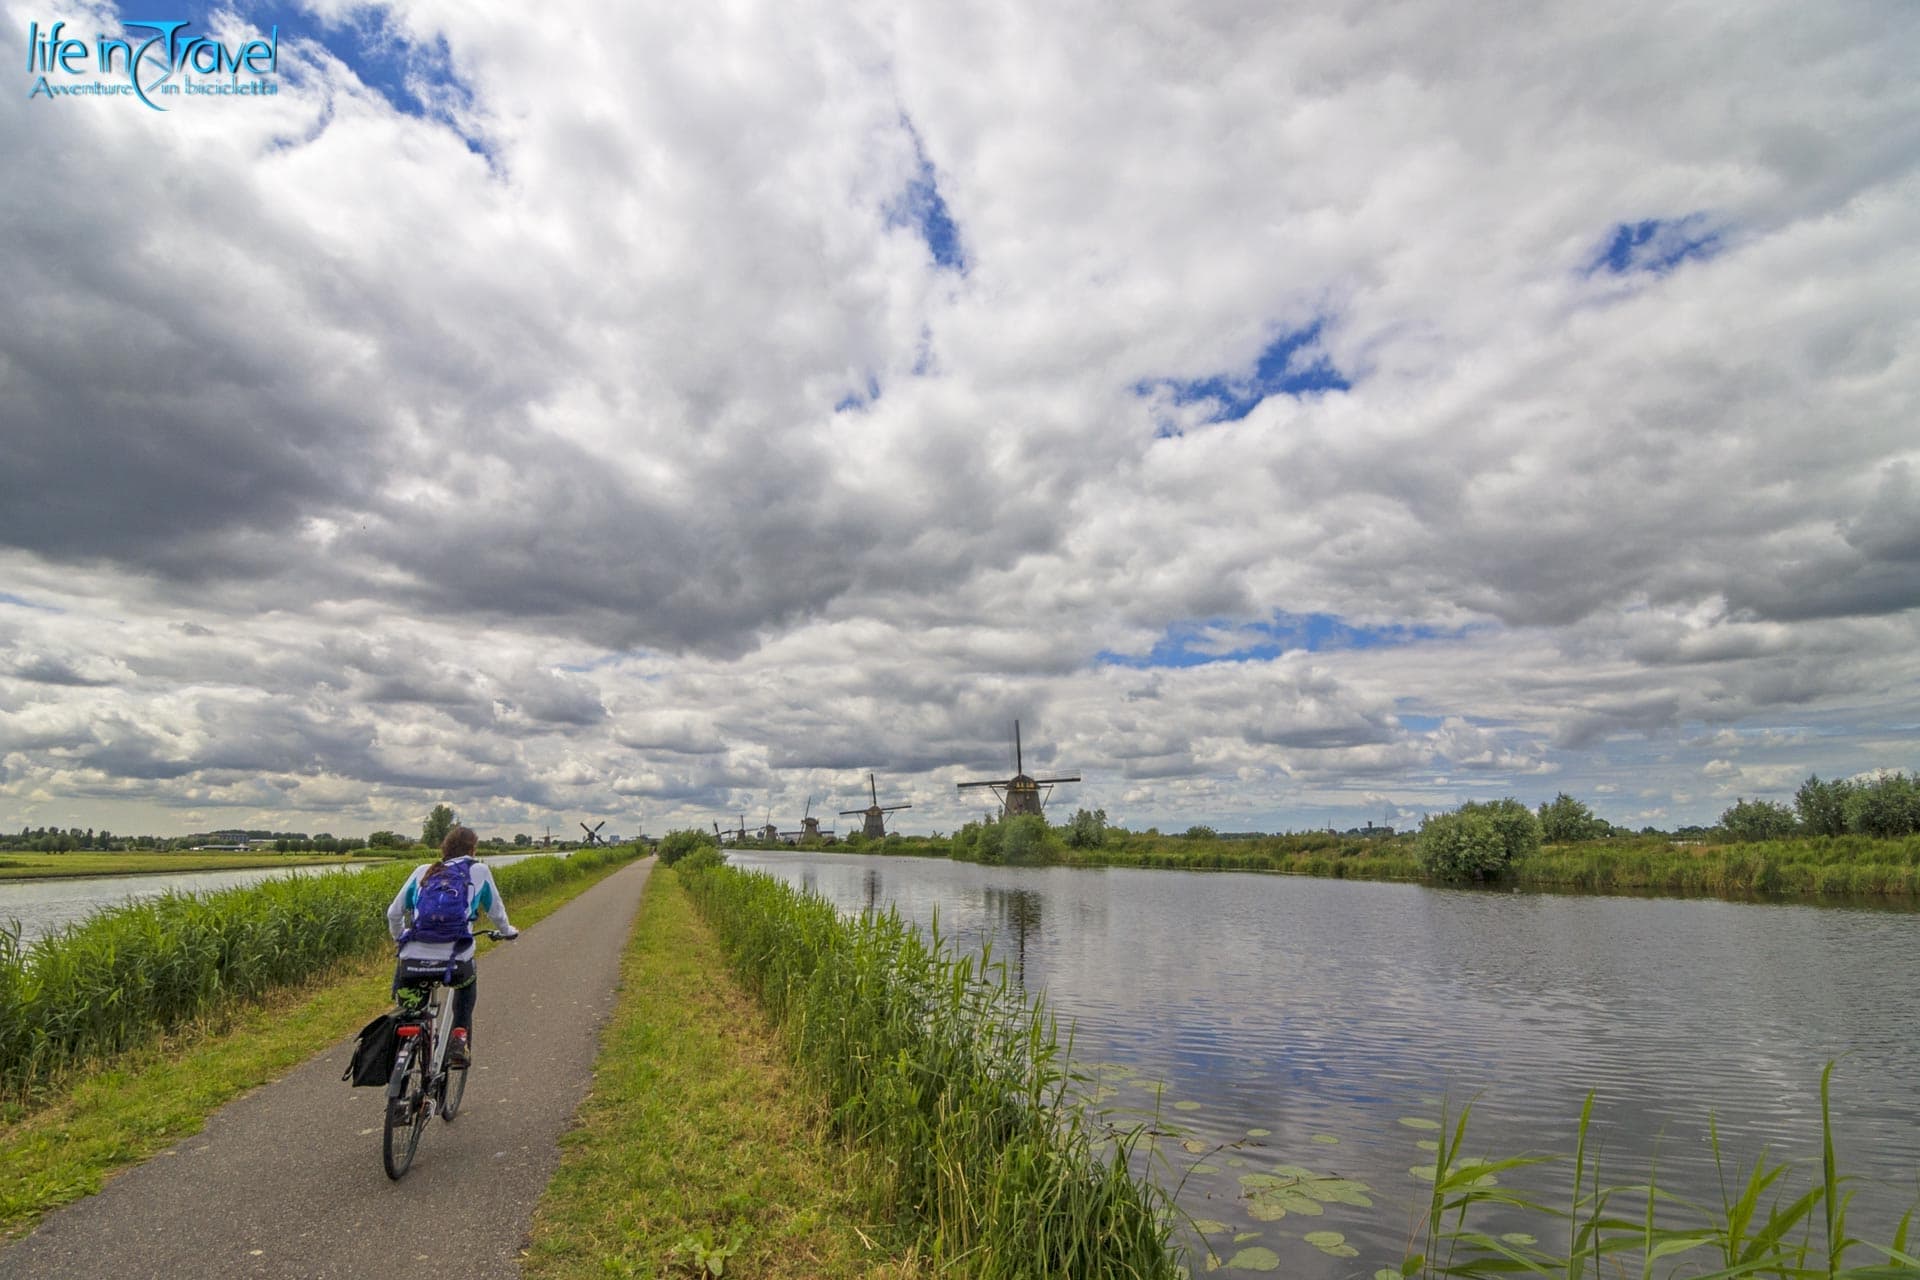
x=7, y=597
x=1292, y=365
x=1197, y=644
x=923, y=208
x=860, y=399
x=1656, y=245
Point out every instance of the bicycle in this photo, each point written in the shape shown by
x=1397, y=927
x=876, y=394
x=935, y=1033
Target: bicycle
x=422, y=1083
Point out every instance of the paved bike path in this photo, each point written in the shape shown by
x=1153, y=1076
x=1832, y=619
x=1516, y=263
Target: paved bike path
x=286, y=1181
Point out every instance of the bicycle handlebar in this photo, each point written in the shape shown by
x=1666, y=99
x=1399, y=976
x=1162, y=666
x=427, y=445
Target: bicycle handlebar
x=496, y=935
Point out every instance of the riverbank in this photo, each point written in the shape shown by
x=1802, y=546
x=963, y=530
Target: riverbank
x=76, y=866
x=62, y=1142
x=1810, y=867
x=699, y=1141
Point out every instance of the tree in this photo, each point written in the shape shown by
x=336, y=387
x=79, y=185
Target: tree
x=1754, y=820
x=676, y=845
x=1087, y=830
x=1822, y=806
x=1025, y=839
x=386, y=840
x=438, y=823
x=521, y=840
x=1477, y=841
x=1200, y=831
x=1564, y=820
x=1886, y=806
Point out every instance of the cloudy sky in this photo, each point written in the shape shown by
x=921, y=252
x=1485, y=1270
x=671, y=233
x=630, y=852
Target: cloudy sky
x=1304, y=414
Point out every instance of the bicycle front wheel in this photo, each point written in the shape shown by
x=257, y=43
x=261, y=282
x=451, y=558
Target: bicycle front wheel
x=406, y=1111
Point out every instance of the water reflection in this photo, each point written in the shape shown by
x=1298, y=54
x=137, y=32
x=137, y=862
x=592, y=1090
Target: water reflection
x=1015, y=914
x=1326, y=1012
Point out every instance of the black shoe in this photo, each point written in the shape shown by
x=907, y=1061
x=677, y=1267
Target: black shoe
x=458, y=1057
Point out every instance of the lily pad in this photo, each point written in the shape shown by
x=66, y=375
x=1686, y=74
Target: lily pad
x=1427, y=1144
x=1424, y=1172
x=1235, y=1162
x=1419, y=1122
x=1325, y=1139
x=1312, y=1189
x=1258, y=1258
x=1259, y=1133
x=1519, y=1238
x=1271, y=1206
x=1385, y=1273
x=1245, y=1236
x=1332, y=1243
x=1184, y=1105
x=1208, y=1227
x=1193, y=1146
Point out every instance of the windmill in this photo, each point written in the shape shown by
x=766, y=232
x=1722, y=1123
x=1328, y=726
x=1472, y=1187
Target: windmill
x=593, y=832
x=809, y=827
x=736, y=835
x=1020, y=794
x=875, y=827
x=768, y=832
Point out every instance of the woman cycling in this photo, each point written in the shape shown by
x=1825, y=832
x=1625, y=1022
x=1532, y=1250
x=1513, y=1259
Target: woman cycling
x=432, y=920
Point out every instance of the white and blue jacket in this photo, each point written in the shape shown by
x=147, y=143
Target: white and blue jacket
x=481, y=896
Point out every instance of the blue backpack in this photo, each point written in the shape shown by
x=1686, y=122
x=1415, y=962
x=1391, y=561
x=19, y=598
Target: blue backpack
x=440, y=907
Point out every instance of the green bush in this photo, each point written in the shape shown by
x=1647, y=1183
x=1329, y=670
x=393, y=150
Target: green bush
x=1026, y=839
x=1564, y=820
x=1755, y=820
x=1477, y=841
x=1822, y=806
x=700, y=859
x=1088, y=830
x=676, y=845
x=1887, y=806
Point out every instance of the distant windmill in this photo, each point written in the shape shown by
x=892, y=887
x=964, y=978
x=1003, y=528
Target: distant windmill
x=768, y=832
x=1020, y=794
x=737, y=835
x=809, y=826
x=875, y=827
x=593, y=832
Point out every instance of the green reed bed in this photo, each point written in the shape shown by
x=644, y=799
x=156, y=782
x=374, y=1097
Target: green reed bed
x=1349, y=860
x=1840, y=865
x=94, y=989
x=1764, y=1224
x=957, y=1081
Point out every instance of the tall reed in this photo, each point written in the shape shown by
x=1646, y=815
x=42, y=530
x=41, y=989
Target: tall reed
x=123, y=975
x=1761, y=1227
x=958, y=1083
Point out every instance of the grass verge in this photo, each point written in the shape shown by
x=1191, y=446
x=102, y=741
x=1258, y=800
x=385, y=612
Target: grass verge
x=63, y=1145
x=698, y=1146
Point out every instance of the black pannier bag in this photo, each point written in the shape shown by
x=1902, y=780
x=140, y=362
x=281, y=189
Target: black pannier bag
x=374, y=1051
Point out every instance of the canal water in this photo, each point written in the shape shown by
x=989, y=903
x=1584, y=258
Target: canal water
x=41, y=906
x=1324, y=1025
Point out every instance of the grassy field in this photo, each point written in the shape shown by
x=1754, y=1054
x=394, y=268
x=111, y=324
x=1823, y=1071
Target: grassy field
x=698, y=1144
x=57, y=866
x=60, y=1144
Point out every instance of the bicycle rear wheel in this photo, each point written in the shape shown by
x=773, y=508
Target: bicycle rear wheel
x=406, y=1111
x=455, y=1089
